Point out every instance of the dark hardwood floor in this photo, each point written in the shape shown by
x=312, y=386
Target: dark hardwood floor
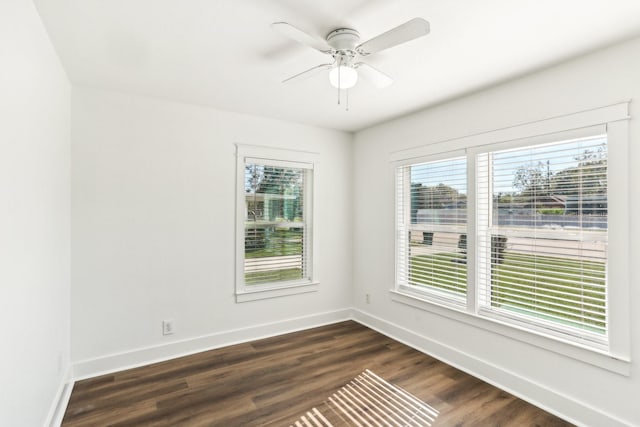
x=275, y=380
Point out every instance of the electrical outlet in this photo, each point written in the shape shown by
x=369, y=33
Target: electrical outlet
x=167, y=327
x=367, y=298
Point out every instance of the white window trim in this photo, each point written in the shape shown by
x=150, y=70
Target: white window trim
x=435, y=295
x=598, y=343
x=613, y=119
x=557, y=345
x=277, y=157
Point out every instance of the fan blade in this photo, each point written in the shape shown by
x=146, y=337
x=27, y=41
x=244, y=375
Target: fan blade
x=410, y=30
x=308, y=73
x=300, y=36
x=373, y=75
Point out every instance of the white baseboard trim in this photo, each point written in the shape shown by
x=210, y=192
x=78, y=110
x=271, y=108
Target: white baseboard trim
x=551, y=401
x=60, y=401
x=144, y=356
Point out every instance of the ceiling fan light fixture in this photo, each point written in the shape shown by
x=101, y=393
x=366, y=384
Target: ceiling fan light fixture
x=344, y=47
x=343, y=77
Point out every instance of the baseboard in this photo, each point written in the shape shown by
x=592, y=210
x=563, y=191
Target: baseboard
x=144, y=356
x=60, y=401
x=551, y=401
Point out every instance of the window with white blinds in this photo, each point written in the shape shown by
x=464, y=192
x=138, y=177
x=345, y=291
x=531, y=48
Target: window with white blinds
x=274, y=226
x=275, y=223
x=432, y=228
x=524, y=231
x=542, y=236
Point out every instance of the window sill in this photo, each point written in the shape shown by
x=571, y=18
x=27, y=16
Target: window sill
x=266, y=293
x=556, y=345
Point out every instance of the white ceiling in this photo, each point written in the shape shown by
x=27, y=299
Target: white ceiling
x=223, y=53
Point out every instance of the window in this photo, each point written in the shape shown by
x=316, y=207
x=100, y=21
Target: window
x=518, y=231
x=275, y=224
x=542, y=236
x=432, y=219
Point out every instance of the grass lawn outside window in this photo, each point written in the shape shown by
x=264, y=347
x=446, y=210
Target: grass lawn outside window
x=548, y=295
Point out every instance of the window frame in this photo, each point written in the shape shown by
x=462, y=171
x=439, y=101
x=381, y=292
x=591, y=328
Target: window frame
x=598, y=342
x=611, y=120
x=283, y=158
x=440, y=297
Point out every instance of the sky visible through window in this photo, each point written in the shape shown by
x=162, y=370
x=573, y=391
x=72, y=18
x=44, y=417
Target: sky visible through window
x=552, y=158
x=447, y=172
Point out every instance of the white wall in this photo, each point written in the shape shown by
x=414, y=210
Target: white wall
x=153, y=193
x=34, y=218
x=583, y=392
x=153, y=227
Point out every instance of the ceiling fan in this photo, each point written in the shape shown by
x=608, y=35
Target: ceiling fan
x=345, y=49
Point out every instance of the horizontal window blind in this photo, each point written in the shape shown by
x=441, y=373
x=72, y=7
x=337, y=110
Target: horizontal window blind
x=275, y=227
x=432, y=226
x=542, y=236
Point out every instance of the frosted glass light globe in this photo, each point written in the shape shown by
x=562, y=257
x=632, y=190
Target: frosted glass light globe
x=348, y=77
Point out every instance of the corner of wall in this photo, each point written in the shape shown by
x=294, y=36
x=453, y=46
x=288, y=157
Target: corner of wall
x=143, y=356
x=60, y=400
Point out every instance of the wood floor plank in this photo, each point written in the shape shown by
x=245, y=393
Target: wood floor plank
x=274, y=381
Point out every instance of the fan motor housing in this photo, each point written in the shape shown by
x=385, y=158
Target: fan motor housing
x=343, y=39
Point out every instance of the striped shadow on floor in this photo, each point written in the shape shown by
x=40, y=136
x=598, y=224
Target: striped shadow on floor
x=369, y=401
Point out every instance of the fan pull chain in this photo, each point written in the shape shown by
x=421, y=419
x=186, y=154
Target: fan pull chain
x=339, y=74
